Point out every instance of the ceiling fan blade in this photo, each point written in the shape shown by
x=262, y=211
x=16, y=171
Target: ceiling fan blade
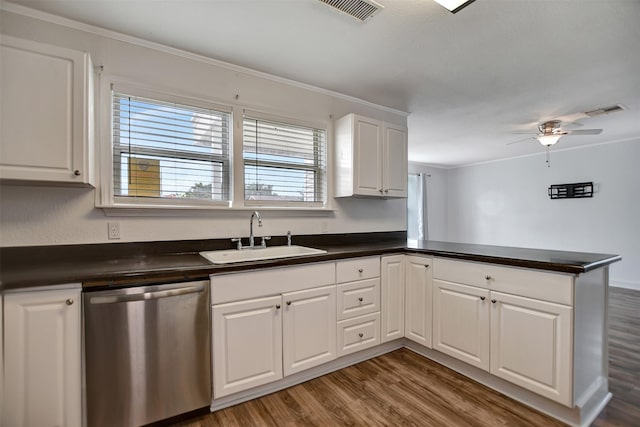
x=570, y=118
x=531, y=138
x=584, y=132
x=523, y=132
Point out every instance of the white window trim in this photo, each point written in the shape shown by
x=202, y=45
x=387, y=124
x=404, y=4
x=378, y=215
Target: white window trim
x=261, y=115
x=117, y=206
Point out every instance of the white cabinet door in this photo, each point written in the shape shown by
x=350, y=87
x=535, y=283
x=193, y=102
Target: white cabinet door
x=418, y=300
x=42, y=370
x=368, y=157
x=461, y=325
x=392, y=273
x=309, y=328
x=46, y=113
x=395, y=161
x=247, y=344
x=531, y=345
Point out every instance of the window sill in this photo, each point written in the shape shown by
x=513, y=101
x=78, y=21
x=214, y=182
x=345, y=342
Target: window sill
x=206, y=211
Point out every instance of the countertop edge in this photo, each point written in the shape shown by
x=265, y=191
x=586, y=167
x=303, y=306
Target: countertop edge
x=201, y=269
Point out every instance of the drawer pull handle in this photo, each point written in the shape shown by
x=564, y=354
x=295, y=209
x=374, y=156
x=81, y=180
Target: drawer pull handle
x=288, y=302
x=361, y=335
x=277, y=306
x=360, y=299
x=487, y=277
x=360, y=270
x=69, y=301
x=494, y=301
x=483, y=298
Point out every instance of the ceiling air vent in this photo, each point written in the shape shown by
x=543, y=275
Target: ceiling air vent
x=359, y=9
x=604, y=110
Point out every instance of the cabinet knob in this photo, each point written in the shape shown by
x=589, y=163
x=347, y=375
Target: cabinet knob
x=277, y=306
x=426, y=266
x=483, y=298
x=69, y=301
x=288, y=302
x=361, y=335
x=386, y=191
x=76, y=172
x=360, y=299
x=487, y=277
x=381, y=191
x=360, y=270
x=494, y=301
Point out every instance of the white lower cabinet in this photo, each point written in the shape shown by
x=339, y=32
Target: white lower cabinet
x=358, y=333
x=42, y=358
x=247, y=344
x=526, y=341
x=260, y=340
x=418, y=298
x=392, y=284
x=461, y=322
x=309, y=328
x=531, y=345
x=358, y=325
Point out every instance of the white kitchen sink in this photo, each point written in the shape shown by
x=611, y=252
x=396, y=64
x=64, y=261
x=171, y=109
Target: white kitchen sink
x=233, y=255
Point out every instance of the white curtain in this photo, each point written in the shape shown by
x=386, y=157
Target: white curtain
x=417, y=220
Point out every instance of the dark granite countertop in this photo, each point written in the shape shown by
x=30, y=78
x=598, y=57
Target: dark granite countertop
x=121, y=264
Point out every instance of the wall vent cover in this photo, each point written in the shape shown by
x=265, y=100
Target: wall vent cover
x=359, y=9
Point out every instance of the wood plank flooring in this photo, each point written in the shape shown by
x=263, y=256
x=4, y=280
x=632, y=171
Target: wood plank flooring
x=405, y=389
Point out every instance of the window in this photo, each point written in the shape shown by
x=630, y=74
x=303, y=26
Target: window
x=168, y=151
x=284, y=164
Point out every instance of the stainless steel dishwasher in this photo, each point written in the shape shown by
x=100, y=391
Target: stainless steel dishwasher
x=147, y=353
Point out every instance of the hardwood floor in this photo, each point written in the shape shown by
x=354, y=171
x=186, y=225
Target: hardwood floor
x=624, y=360
x=402, y=388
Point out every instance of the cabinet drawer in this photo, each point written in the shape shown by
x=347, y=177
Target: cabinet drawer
x=358, y=333
x=542, y=285
x=358, y=298
x=357, y=269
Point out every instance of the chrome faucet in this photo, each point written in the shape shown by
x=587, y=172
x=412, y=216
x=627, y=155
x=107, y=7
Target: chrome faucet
x=255, y=214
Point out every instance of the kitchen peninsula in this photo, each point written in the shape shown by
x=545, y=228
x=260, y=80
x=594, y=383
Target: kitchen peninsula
x=485, y=311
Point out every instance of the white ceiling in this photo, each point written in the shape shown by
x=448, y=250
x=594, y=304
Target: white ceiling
x=468, y=79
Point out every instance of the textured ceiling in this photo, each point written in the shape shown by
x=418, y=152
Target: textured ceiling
x=468, y=80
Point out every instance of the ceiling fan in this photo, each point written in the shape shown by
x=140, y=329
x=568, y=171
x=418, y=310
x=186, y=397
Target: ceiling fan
x=551, y=131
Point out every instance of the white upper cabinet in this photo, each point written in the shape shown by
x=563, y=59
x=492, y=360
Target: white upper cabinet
x=394, y=161
x=46, y=114
x=371, y=158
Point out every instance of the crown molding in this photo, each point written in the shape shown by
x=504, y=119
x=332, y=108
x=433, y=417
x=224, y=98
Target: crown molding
x=114, y=35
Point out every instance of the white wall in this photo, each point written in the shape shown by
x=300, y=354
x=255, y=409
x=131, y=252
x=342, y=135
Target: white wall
x=49, y=215
x=506, y=203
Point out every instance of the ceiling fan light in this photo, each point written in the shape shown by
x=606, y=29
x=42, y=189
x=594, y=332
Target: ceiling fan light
x=454, y=6
x=548, y=140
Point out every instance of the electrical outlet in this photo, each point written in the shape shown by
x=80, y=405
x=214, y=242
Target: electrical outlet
x=113, y=230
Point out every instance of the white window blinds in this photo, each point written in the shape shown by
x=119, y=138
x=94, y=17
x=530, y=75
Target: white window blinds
x=163, y=150
x=283, y=163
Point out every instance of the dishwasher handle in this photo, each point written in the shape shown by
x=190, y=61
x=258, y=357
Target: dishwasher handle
x=145, y=296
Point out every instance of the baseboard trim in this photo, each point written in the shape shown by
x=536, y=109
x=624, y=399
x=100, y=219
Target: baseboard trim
x=624, y=284
x=304, y=376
